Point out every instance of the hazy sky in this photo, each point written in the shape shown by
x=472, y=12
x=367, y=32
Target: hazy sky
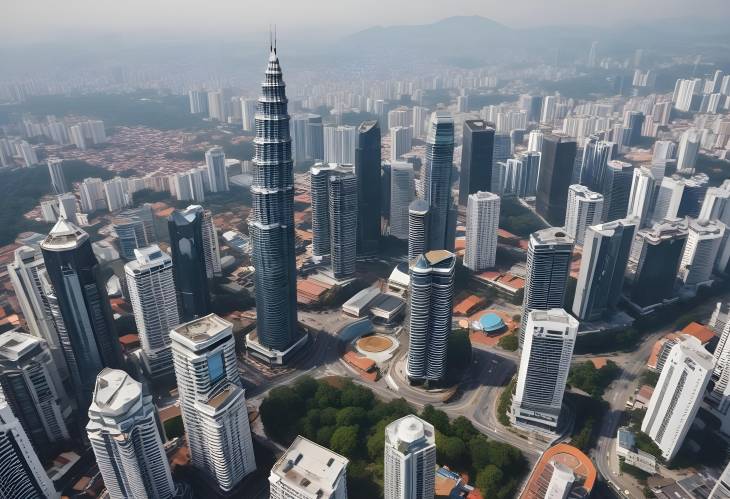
x=43, y=19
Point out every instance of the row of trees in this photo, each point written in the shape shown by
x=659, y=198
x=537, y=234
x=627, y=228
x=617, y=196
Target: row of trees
x=348, y=419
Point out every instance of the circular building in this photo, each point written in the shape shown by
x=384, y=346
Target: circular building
x=491, y=323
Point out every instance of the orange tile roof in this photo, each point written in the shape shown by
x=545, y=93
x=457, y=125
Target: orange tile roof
x=599, y=362
x=359, y=362
x=699, y=331
x=129, y=340
x=308, y=287
x=467, y=304
x=165, y=212
x=506, y=234
x=566, y=455
x=645, y=393
x=460, y=243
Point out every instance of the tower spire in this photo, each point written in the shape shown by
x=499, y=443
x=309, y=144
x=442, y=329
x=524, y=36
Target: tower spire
x=275, y=38
x=271, y=45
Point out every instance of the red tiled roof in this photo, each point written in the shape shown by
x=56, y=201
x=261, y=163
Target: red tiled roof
x=699, y=331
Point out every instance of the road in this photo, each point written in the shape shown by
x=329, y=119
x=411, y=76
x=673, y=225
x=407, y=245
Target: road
x=632, y=364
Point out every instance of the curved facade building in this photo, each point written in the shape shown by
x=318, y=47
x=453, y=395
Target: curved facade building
x=430, y=305
x=417, y=228
x=272, y=217
x=124, y=433
x=343, y=224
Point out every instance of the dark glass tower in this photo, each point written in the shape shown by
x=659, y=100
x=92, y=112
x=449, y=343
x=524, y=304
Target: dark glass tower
x=437, y=181
x=188, y=259
x=88, y=339
x=616, y=189
x=476, y=159
x=556, y=170
x=271, y=222
x=367, y=170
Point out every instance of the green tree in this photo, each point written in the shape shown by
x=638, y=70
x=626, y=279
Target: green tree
x=451, y=450
x=324, y=435
x=509, y=342
x=463, y=428
x=350, y=416
x=356, y=396
x=345, y=440
x=174, y=427
x=326, y=396
x=489, y=480
x=439, y=419
x=479, y=452
x=328, y=416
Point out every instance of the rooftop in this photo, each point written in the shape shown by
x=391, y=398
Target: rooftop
x=64, y=236
x=310, y=467
x=14, y=344
x=409, y=430
x=202, y=330
x=551, y=235
x=115, y=392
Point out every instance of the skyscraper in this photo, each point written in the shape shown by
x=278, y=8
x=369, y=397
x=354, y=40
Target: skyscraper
x=152, y=293
x=720, y=394
x=642, y=198
x=410, y=459
x=116, y=193
x=215, y=160
x=430, y=304
x=58, y=180
x=605, y=256
x=88, y=339
x=67, y=206
x=634, y=120
x=616, y=189
x=24, y=475
x=31, y=385
x=585, y=208
x=716, y=206
x=212, y=400
x=689, y=146
x=367, y=169
x=437, y=181
x=188, y=258
x=418, y=226
x=556, y=169
x=476, y=159
x=677, y=396
x=526, y=177
x=93, y=197
x=271, y=223
x=343, y=215
x=654, y=267
x=130, y=235
x=123, y=429
x=544, y=366
x=548, y=266
x=401, y=196
x=700, y=251
x=401, y=141
x=211, y=249
x=307, y=470
x=596, y=155
x=482, y=222
x=721, y=490
x=198, y=100
x=26, y=273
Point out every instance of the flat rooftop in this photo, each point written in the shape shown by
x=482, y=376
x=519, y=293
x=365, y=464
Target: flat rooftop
x=14, y=344
x=310, y=467
x=203, y=329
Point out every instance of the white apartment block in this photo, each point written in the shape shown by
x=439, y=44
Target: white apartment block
x=482, y=222
x=678, y=395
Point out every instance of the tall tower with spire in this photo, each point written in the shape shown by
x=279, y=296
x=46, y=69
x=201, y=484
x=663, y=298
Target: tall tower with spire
x=271, y=223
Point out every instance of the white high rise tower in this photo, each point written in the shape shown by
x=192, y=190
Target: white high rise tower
x=124, y=433
x=212, y=400
x=215, y=160
x=410, y=459
x=584, y=209
x=544, y=366
x=678, y=395
x=482, y=222
x=152, y=293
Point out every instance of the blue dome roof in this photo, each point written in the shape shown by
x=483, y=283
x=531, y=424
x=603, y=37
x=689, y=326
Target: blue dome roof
x=491, y=322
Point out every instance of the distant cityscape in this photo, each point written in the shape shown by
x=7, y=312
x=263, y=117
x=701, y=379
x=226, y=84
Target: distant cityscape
x=463, y=280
